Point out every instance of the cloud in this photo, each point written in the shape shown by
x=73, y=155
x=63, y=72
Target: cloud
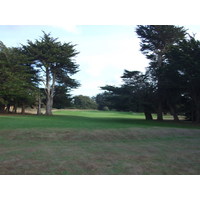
x=103, y=62
x=89, y=87
x=94, y=64
x=104, y=57
x=68, y=27
x=120, y=55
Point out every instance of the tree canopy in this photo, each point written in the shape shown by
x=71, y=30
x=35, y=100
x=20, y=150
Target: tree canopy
x=17, y=79
x=156, y=41
x=171, y=81
x=56, y=64
x=84, y=102
x=41, y=73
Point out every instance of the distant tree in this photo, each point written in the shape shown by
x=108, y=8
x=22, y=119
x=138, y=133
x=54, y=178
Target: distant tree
x=120, y=98
x=142, y=89
x=156, y=41
x=103, y=101
x=136, y=94
x=84, y=102
x=55, y=62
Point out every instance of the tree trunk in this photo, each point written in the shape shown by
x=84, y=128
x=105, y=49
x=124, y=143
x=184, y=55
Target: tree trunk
x=197, y=113
x=48, y=106
x=23, y=109
x=159, y=109
x=198, y=116
x=15, y=108
x=48, y=93
x=148, y=116
x=7, y=109
x=2, y=108
x=173, y=112
x=159, y=112
x=39, y=105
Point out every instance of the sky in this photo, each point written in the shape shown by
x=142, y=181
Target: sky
x=105, y=51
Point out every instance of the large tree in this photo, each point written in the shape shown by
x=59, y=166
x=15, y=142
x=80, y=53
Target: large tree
x=141, y=89
x=185, y=57
x=55, y=61
x=156, y=41
x=17, y=79
x=135, y=94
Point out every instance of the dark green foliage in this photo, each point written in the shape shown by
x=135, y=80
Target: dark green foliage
x=17, y=79
x=62, y=98
x=156, y=41
x=115, y=98
x=171, y=82
x=45, y=61
x=84, y=102
x=185, y=58
x=55, y=62
x=136, y=94
x=104, y=101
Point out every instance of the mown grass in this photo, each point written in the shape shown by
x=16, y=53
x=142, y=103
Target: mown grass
x=85, y=120
x=90, y=142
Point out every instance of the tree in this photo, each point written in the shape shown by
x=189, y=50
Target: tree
x=142, y=90
x=135, y=94
x=84, y=102
x=171, y=86
x=116, y=98
x=17, y=79
x=62, y=99
x=103, y=101
x=185, y=56
x=55, y=62
x=156, y=41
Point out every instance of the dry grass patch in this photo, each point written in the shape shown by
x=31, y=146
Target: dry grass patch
x=121, y=151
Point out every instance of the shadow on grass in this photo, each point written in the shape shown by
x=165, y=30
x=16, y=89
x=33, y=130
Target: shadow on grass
x=109, y=122
x=84, y=122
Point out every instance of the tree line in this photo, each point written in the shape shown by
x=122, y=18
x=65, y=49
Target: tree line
x=40, y=72
x=33, y=73
x=171, y=82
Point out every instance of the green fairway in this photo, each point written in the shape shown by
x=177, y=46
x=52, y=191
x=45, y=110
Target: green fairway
x=84, y=120
x=93, y=142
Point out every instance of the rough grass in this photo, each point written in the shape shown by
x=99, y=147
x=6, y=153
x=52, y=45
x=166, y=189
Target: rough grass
x=127, y=151
x=90, y=142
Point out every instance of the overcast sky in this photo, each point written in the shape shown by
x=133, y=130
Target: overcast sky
x=105, y=51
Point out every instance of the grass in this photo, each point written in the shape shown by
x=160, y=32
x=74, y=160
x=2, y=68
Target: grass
x=90, y=142
x=85, y=120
